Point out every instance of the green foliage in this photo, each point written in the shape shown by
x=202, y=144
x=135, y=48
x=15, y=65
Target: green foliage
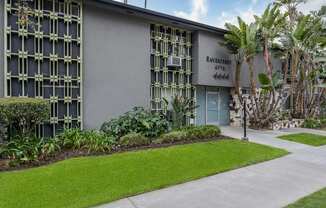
x=90, y=141
x=202, y=132
x=264, y=80
x=138, y=120
x=22, y=150
x=181, y=107
x=189, y=133
x=23, y=114
x=270, y=84
x=3, y=128
x=172, y=137
x=312, y=123
x=134, y=140
x=323, y=122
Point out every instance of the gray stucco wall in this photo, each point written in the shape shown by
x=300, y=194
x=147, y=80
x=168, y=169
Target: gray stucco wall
x=116, y=64
x=2, y=48
x=208, y=44
x=259, y=67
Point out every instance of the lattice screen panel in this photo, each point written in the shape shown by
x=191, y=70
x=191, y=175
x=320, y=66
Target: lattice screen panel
x=167, y=81
x=45, y=61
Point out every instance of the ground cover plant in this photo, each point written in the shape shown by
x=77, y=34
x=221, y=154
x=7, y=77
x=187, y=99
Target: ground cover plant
x=23, y=152
x=89, y=181
x=315, y=123
x=316, y=200
x=306, y=138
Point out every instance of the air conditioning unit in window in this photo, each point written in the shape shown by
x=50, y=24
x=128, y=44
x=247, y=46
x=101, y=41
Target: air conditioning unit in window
x=174, y=61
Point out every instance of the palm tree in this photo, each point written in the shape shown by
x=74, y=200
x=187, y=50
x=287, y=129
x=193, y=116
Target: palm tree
x=241, y=40
x=291, y=9
x=270, y=25
x=250, y=47
x=302, y=43
x=233, y=42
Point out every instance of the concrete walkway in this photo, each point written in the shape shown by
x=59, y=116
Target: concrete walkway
x=272, y=184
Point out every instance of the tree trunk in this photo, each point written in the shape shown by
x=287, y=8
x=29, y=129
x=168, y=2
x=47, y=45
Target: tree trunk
x=237, y=77
x=252, y=76
x=267, y=60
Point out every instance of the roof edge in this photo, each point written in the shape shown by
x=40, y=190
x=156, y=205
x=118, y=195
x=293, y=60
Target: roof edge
x=164, y=16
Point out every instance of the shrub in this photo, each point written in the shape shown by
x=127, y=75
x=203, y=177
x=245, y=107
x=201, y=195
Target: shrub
x=181, y=107
x=323, y=122
x=312, y=123
x=3, y=128
x=202, y=132
x=91, y=141
x=138, y=120
x=23, y=114
x=28, y=149
x=172, y=137
x=134, y=140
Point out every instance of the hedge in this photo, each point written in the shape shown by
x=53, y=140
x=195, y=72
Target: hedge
x=24, y=114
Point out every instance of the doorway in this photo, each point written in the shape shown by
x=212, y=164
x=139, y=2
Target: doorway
x=212, y=107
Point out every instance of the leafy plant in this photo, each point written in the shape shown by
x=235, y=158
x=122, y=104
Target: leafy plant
x=28, y=149
x=24, y=114
x=134, y=140
x=138, y=120
x=323, y=122
x=270, y=84
x=312, y=123
x=49, y=147
x=172, y=137
x=3, y=128
x=181, y=107
x=91, y=141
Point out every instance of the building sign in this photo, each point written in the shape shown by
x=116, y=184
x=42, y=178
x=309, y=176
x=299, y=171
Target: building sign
x=220, y=67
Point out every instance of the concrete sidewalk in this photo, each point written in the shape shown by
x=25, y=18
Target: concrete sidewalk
x=272, y=184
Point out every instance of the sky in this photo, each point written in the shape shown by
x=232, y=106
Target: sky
x=217, y=12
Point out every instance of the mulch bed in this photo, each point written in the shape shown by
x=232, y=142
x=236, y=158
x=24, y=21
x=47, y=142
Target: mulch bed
x=67, y=154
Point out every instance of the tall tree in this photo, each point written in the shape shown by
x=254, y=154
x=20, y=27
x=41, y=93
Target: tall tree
x=270, y=25
x=233, y=42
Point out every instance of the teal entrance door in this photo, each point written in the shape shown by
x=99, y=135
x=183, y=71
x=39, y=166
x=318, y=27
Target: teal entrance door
x=212, y=108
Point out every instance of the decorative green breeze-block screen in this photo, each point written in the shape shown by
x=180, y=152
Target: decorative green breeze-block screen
x=45, y=61
x=167, y=81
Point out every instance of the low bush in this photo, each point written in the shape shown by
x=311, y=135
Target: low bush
x=90, y=141
x=22, y=150
x=24, y=114
x=3, y=128
x=138, y=120
x=202, y=132
x=172, y=137
x=134, y=140
x=189, y=133
x=312, y=123
x=323, y=122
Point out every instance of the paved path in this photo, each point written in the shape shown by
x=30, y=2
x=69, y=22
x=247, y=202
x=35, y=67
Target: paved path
x=272, y=184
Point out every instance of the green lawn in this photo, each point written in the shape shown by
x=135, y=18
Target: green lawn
x=305, y=138
x=86, y=181
x=316, y=200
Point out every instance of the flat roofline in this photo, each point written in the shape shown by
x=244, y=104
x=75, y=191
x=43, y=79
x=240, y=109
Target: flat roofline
x=148, y=12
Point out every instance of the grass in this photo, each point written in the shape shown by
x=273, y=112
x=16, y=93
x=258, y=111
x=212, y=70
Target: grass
x=316, y=200
x=87, y=181
x=305, y=138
